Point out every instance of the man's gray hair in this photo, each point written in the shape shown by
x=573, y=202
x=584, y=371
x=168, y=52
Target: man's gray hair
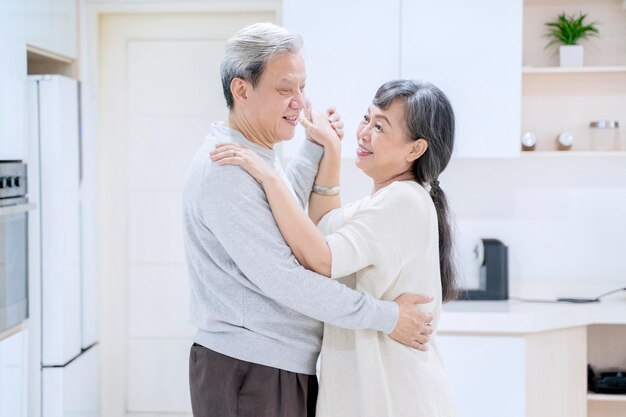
x=248, y=52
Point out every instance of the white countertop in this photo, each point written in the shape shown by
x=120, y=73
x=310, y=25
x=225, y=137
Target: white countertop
x=517, y=317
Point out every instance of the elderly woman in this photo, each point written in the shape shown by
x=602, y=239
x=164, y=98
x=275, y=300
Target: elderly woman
x=395, y=240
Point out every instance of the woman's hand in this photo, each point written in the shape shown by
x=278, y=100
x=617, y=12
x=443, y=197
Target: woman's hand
x=323, y=129
x=235, y=154
x=335, y=121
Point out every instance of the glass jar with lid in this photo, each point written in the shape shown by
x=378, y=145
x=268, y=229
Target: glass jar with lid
x=604, y=135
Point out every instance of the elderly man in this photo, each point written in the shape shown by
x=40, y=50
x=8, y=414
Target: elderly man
x=258, y=312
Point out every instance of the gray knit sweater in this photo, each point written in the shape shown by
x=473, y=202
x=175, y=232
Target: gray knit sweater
x=250, y=299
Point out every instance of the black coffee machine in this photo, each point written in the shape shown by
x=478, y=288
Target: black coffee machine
x=494, y=272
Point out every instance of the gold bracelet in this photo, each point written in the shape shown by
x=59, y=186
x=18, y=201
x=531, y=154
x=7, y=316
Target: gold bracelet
x=320, y=189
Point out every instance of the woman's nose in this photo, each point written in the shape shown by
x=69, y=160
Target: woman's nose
x=364, y=133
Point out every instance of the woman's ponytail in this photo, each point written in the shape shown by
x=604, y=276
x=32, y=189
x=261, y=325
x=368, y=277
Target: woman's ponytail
x=446, y=264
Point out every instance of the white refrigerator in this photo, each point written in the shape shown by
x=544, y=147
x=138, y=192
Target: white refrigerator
x=63, y=188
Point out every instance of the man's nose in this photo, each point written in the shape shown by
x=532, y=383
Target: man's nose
x=298, y=101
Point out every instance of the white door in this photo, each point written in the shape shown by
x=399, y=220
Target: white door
x=159, y=92
x=90, y=292
x=13, y=375
x=12, y=80
x=72, y=390
x=57, y=156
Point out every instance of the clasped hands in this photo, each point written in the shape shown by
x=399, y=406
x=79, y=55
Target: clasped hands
x=324, y=129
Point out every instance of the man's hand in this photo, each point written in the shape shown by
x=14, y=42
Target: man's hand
x=413, y=327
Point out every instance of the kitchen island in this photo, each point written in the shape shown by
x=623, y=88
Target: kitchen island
x=520, y=359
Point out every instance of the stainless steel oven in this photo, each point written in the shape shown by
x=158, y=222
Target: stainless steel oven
x=14, y=209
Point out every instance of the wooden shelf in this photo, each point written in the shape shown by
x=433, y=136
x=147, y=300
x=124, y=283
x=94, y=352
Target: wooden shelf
x=572, y=70
x=43, y=62
x=605, y=350
x=591, y=396
x=10, y=332
x=573, y=154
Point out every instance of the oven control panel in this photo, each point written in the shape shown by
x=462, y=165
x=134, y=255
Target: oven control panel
x=12, y=180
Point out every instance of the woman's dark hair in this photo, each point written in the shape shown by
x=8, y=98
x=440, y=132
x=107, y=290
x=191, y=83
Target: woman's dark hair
x=429, y=116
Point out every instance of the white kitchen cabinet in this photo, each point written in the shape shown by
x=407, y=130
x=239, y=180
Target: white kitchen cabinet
x=539, y=374
x=350, y=49
x=12, y=80
x=473, y=52
x=52, y=26
x=530, y=359
x=492, y=365
x=13, y=372
x=73, y=390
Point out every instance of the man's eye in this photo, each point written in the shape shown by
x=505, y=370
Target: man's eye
x=284, y=91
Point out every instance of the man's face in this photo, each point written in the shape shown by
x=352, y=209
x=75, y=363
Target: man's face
x=276, y=102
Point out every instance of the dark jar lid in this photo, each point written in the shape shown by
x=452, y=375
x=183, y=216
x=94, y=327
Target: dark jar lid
x=604, y=124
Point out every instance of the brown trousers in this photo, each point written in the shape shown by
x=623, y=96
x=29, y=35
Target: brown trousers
x=222, y=386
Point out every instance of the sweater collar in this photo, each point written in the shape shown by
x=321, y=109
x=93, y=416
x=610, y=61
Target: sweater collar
x=235, y=136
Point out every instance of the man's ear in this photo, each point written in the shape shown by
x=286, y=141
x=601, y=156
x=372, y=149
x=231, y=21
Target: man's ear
x=240, y=90
x=417, y=150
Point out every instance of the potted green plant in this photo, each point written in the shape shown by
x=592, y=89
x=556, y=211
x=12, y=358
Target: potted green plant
x=566, y=31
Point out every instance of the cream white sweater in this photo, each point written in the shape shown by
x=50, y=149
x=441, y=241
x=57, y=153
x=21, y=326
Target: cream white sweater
x=384, y=245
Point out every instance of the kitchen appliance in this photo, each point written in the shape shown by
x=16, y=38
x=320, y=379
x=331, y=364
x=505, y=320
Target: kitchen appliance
x=69, y=345
x=492, y=261
x=607, y=381
x=14, y=209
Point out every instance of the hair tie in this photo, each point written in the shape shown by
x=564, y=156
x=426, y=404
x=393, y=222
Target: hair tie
x=434, y=190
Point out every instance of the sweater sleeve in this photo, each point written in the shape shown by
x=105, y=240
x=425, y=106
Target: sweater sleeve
x=332, y=221
x=302, y=170
x=236, y=211
x=376, y=231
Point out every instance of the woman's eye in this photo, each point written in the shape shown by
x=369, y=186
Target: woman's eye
x=365, y=120
x=378, y=127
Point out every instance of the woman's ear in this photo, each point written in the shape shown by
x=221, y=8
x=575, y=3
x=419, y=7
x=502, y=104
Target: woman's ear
x=239, y=89
x=418, y=148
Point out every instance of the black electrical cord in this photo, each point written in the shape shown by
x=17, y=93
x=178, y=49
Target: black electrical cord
x=569, y=300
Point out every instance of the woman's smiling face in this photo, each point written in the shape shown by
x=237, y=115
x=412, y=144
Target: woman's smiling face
x=385, y=148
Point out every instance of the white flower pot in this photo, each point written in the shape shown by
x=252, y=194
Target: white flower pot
x=571, y=55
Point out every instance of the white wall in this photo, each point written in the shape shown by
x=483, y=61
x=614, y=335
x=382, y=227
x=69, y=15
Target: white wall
x=563, y=218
